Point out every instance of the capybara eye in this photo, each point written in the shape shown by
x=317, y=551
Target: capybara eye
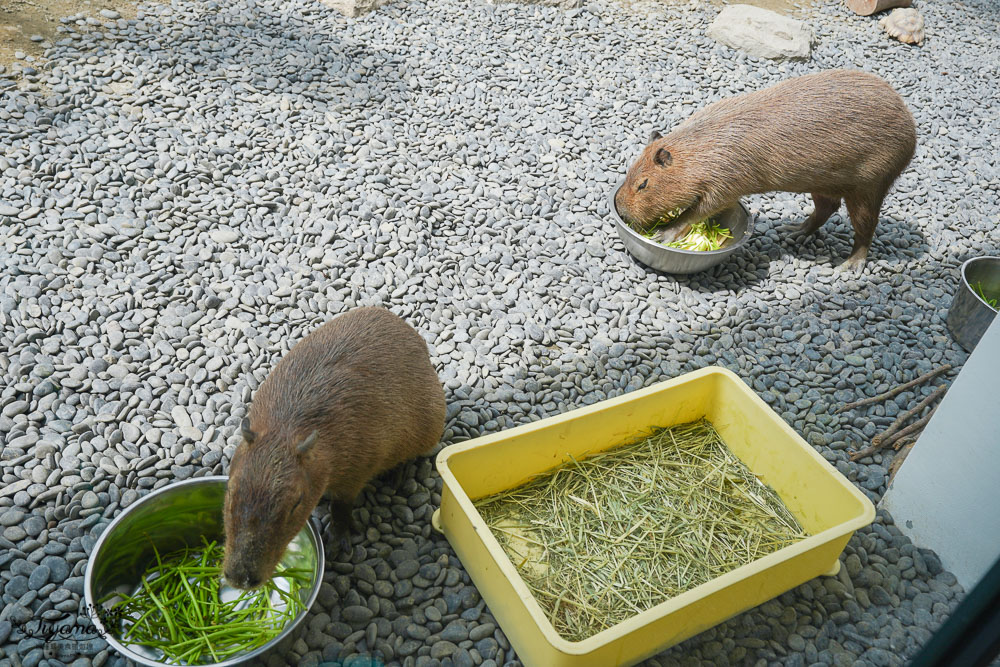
x=642, y=185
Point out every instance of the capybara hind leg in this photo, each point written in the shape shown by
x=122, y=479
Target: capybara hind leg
x=863, y=210
x=825, y=207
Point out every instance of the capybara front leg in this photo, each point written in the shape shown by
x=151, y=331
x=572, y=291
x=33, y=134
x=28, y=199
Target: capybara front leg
x=825, y=207
x=342, y=522
x=863, y=210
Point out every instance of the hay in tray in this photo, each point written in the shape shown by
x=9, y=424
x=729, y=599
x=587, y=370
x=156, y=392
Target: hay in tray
x=604, y=538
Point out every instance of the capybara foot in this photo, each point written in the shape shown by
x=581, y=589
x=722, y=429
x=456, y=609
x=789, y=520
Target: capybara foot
x=802, y=233
x=336, y=539
x=854, y=263
x=342, y=520
x=668, y=235
x=825, y=207
x=341, y=543
x=340, y=536
x=807, y=229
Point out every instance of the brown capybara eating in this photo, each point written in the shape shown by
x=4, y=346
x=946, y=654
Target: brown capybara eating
x=838, y=135
x=355, y=397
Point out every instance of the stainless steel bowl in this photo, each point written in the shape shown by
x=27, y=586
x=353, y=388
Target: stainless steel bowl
x=969, y=316
x=675, y=260
x=173, y=517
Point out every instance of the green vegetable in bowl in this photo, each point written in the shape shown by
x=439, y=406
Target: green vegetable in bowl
x=670, y=216
x=703, y=236
x=992, y=302
x=662, y=221
x=181, y=608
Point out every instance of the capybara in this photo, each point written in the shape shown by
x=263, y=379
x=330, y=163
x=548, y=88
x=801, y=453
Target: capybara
x=355, y=397
x=839, y=134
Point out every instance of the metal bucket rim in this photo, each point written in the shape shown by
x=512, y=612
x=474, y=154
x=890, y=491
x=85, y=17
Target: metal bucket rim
x=965, y=277
x=106, y=634
x=659, y=246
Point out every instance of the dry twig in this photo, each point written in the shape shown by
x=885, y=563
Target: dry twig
x=909, y=430
x=892, y=392
x=908, y=415
x=912, y=429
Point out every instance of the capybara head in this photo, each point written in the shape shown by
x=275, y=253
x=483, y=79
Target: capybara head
x=269, y=497
x=660, y=187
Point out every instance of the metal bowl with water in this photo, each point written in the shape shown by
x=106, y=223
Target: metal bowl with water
x=675, y=260
x=174, y=517
x=969, y=316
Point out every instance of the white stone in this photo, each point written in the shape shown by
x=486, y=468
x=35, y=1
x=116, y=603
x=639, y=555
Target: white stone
x=181, y=417
x=191, y=432
x=235, y=323
x=224, y=235
x=12, y=489
x=761, y=32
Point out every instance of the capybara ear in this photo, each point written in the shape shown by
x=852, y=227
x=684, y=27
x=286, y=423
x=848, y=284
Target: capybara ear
x=307, y=444
x=654, y=136
x=248, y=435
x=663, y=157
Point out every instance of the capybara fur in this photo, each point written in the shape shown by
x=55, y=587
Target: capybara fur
x=838, y=135
x=355, y=397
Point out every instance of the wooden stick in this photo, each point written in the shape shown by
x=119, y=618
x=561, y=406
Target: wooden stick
x=909, y=414
x=869, y=7
x=915, y=426
x=911, y=429
x=892, y=392
x=862, y=453
x=903, y=442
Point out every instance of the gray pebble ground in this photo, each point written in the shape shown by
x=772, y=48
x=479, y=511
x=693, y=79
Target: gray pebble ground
x=184, y=195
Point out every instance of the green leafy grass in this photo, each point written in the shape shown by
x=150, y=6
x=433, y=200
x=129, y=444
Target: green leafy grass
x=993, y=301
x=177, y=608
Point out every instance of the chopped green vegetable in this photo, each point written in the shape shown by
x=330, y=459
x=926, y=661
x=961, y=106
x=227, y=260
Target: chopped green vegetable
x=602, y=539
x=992, y=302
x=663, y=221
x=704, y=235
x=670, y=215
x=178, y=608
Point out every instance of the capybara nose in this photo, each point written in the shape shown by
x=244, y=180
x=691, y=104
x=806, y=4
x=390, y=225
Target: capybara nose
x=240, y=579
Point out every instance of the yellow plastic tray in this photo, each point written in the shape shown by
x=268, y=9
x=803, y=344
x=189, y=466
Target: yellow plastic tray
x=827, y=505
